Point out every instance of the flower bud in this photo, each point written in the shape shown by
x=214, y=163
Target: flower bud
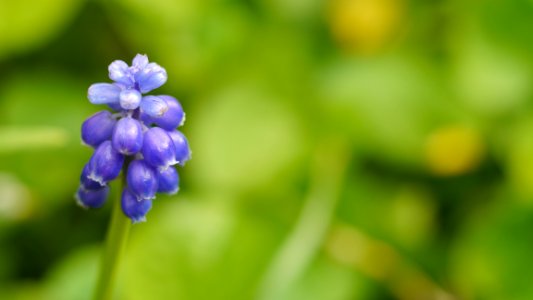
x=170, y=119
x=182, y=149
x=158, y=149
x=127, y=136
x=120, y=72
x=97, y=128
x=86, y=182
x=91, y=198
x=103, y=93
x=153, y=106
x=105, y=164
x=134, y=209
x=168, y=181
x=139, y=62
x=142, y=180
x=130, y=99
x=150, y=77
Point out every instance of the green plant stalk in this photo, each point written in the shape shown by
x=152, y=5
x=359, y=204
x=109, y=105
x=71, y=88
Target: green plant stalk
x=117, y=236
x=304, y=241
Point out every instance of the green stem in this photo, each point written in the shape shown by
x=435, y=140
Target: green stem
x=306, y=238
x=117, y=236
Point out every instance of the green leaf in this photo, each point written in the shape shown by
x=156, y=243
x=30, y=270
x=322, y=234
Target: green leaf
x=197, y=249
x=15, y=138
x=40, y=132
x=27, y=24
x=243, y=139
x=74, y=277
x=490, y=258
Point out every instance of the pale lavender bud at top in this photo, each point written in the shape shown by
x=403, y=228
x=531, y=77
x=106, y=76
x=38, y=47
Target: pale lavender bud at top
x=158, y=149
x=105, y=164
x=103, y=93
x=91, y=198
x=170, y=119
x=130, y=99
x=139, y=62
x=150, y=77
x=153, y=106
x=120, y=72
x=182, y=149
x=127, y=136
x=142, y=180
x=168, y=181
x=97, y=128
x=134, y=209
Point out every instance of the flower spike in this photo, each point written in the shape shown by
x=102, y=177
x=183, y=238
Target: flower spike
x=140, y=138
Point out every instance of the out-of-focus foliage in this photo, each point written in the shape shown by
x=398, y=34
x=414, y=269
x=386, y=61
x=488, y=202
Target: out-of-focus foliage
x=342, y=149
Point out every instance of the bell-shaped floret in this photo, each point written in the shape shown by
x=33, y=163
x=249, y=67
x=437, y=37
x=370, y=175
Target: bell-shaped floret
x=134, y=209
x=97, y=128
x=127, y=136
x=168, y=181
x=169, y=119
x=86, y=182
x=158, y=149
x=153, y=106
x=91, y=198
x=182, y=149
x=105, y=164
x=142, y=180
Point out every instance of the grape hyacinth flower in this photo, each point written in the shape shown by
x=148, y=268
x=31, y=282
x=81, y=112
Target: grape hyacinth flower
x=140, y=139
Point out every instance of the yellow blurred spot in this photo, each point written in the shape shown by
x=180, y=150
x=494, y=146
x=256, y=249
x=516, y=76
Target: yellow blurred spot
x=349, y=246
x=364, y=26
x=454, y=150
x=374, y=258
x=15, y=199
x=411, y=284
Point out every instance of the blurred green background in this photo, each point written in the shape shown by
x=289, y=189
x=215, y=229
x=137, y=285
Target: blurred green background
x=342, y=149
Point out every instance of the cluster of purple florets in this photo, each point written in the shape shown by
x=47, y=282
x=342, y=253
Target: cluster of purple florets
x=141, y=137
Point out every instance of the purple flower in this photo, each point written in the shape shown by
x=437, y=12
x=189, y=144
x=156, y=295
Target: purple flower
x=143, y=130
x=158, y=149
x=105, y=164
x=119, y=71
x=128, y=136
x=87, y=198
x=168, y=181
x=130, y=82
x=88, y=183
x=172, y=117
x=153, y=106
x=103, y=93
x=97, y=128
x=133, y=208
x=130, y=99
x=181, y=146
x=150, y=77
x=142, y=180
